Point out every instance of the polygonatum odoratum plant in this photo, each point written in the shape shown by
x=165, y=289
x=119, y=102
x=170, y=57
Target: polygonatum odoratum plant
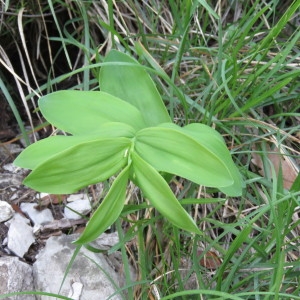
x=124, y=130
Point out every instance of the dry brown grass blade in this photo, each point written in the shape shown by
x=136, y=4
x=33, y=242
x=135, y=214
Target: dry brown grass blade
x=23, y=39
x=101, y=10
x=49, y=48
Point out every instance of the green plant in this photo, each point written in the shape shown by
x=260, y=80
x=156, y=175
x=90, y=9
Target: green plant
x=126, y=127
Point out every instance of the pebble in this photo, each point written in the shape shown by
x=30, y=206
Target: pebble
x=80, y=204
x=6, y=211
x=38, y=217
x=6, y=151
x=20, y=235
x=11, y=168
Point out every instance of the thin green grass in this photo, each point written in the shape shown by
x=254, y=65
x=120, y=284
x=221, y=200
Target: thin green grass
x=15, y=111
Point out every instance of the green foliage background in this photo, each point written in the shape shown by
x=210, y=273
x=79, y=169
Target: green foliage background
x=238, y=73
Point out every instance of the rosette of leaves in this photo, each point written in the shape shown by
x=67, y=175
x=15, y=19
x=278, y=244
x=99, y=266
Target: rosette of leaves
x=124, y=130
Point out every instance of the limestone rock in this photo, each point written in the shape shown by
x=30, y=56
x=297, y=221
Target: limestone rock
x=92, y=270
x=15, y=276
x=20, y=235
x=9, y=150
x=38, y=217
x=6, y=211
x=79, y=203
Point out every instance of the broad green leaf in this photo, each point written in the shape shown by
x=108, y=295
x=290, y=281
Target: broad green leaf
x=81, y=112
x=156, y=189
x=172, y=151
x=86, y=163
x=133, y=84
x=44, y=149
x=108, y=211
x=212, y=140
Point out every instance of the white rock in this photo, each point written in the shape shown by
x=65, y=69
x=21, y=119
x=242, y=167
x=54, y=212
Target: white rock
x=6, y=211
x=36, y=229
x=20, y=235
x=8, y=149
x=10, y=167
x=42, y=195
x=16, y=276
x=38, y=217
x=81, y=205
x=4, y=243
x=75, y=197
x=88, y=268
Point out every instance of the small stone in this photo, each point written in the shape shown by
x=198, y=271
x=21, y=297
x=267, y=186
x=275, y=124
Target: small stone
x=81, y=205
x=11, y=168
x=75, y=197
x=6, y=211
x=20, y=235
x=42, y=195
x=9, y=150
x=38, y=217
x=4, y=243
x=36, y=229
